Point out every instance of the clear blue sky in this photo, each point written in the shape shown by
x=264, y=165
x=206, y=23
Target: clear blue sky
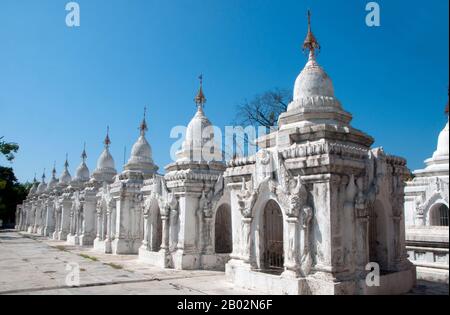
x=60, y=87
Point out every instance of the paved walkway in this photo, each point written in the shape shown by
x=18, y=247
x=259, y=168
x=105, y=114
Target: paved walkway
x=35, y=265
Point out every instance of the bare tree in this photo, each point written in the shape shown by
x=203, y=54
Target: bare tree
x=263, y=109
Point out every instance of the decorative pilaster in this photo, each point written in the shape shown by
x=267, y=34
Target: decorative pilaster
x=246, y=201
x=49, y=218
x=66, y=204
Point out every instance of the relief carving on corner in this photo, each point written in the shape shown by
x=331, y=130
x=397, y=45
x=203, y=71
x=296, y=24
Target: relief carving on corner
x=246, y=199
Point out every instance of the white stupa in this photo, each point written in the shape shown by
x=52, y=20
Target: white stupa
x=53, y=181
x=141, y=159
x=82, y=173
x=65, y=177
x=199, y=144
x=106, y=169
x=438, y=164
x=314, y=101
x=42, y=186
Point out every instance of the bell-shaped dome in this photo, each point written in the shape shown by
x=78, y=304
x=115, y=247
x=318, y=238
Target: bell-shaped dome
x=65, y=177
x=443, y=143
x=53, y=182
x=141, y=154
x=105, y=161
x=314, y=91
x=82, y=173
x=105, y=170
x=438, y=164
x=199, y=130
x=313, y=81
x=34, y=187
x=199, y=144
x=141, y=151
x=42, y=186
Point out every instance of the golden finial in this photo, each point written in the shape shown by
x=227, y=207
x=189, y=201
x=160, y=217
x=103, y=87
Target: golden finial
x=310, y=42
x=200, y=99
x=143, y=127
x=107, y=141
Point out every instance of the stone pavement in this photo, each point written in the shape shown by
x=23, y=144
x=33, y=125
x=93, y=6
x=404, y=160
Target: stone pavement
x=35, y=265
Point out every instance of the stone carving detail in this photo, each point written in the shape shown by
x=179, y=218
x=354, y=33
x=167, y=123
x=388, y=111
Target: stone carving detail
x=366, y=197
x=207, y=203
x=294, y=199
x=246, y=199
x=168, y=208
x=323, y=147
x=436, y=189
x=306, y=260
x=292, y=194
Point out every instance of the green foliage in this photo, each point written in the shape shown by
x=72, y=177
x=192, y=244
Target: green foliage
x=8, y=149
x=12, y=193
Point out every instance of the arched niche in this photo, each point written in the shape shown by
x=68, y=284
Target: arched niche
x=223, y=232
x=154, y=226
x=272, y=239
x=438, y=215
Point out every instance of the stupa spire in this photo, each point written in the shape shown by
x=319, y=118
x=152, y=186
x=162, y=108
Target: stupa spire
x=43, y=176
x=54, y=171
x=200, y=99
x=143, y=127
x=84, y=154
x=107, y=141
x=311, y=44
x=66, y=163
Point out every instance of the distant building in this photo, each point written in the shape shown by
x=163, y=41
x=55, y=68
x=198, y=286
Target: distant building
x=426, y=210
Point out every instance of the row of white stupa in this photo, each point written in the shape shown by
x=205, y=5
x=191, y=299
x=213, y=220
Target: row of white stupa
x=141, y=155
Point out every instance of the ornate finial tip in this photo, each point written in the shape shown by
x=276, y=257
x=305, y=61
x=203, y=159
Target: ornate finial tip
x=310, y=42
x=107, y=140
x=143, y=126
x=145, y=112
x=200, y=99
